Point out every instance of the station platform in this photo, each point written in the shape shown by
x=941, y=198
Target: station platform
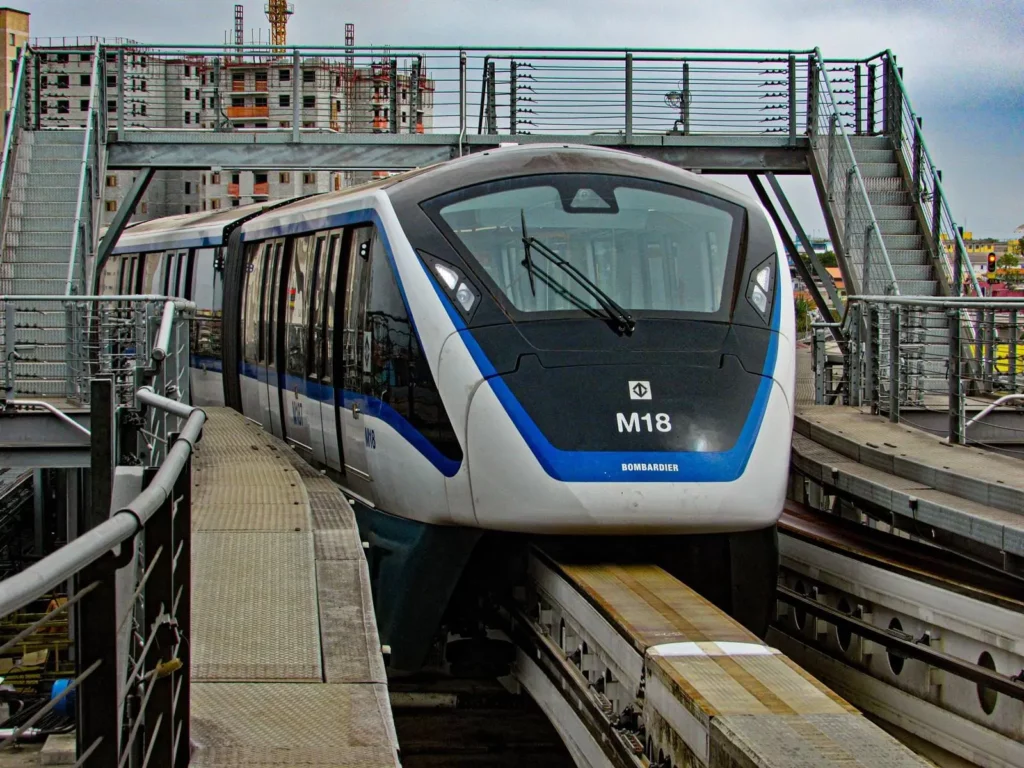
x=286, y=662
x=963, y=495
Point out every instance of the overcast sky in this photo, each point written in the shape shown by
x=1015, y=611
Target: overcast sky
x=963, y=60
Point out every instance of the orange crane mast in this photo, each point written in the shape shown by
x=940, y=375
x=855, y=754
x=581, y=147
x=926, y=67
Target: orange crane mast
x=278, y=12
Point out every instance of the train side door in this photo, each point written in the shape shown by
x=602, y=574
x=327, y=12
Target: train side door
x=316, y=391
x=356, y=346
x=329, y=368
x=275, y=255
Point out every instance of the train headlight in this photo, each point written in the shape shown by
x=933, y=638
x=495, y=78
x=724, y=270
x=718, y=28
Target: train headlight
x=459, y=290
x=448, y=276
x=762, y=287
x=465, y=296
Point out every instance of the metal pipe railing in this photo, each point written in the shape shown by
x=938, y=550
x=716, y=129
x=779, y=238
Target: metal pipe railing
x=14, y=119
x=78, y=236
x=860, y=186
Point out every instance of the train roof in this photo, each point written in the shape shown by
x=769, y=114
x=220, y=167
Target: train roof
x=190, y=230
x=322, y=211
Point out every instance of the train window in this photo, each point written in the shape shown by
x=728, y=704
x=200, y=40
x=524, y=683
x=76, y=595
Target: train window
x=357, y=365
x=265, y=288
x=179, y=278
x=251, y=304
x=401, y=376
x=188, y=258
x=151, y=263
x=314, y=355
x=109, y=276
x=273, y=291
x=170, y=269
x=649, y=246
x=208, y=298
x=330, y=296
x=296, y=314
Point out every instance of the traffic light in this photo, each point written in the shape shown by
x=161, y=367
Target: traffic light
x=991, y=262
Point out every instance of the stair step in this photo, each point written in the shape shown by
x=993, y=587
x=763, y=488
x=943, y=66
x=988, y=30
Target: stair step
x=28, y=388
x=55, y=286
x=879, y=170
x=50, y=137
x=864, y=156
x=37, y=270
x=912, y=272
x=897, y=226
x=902, y=242
x=38, y=239
x=918, y=287
x=892, y=196
x=908, y=256
x=895, y=212
x=870, y=142
x=40, y=194
x=56, y=152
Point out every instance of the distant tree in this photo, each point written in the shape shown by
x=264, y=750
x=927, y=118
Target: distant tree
x=828, y=259
x=1008, y=261
x=803, y=306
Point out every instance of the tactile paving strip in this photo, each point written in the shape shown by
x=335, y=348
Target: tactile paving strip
x=254, y=607
x=287, y=724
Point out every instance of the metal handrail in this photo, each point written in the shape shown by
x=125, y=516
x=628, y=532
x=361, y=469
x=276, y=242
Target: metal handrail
x=84, y=175
x=13, y=120
x=946, y=302
x=890, y=60
x=56, y=568
x=862, y=188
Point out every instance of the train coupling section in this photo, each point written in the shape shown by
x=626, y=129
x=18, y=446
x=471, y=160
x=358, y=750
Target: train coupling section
x=634, y=668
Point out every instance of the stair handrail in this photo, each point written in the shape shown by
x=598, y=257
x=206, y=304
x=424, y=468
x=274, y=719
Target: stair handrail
x=77, y=235
x=861, y=187
x=14, y=119
x=909, y=146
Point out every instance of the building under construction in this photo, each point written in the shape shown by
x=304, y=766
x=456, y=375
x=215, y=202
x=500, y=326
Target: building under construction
x=241, y=90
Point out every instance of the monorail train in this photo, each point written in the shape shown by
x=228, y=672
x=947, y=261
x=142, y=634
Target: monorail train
x=537, y=339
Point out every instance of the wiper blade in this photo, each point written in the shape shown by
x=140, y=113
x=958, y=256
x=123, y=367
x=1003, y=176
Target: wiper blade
x=624, y=321
x=527, y=262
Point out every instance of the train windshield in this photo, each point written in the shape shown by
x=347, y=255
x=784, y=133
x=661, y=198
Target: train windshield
x=644, y=246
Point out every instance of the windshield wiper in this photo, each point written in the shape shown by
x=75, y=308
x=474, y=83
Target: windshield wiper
x=623, y=320
x=527, y=262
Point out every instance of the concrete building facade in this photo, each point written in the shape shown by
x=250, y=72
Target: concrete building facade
x=14, y=25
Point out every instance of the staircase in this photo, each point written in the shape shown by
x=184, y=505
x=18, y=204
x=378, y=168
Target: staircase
x=37, y=250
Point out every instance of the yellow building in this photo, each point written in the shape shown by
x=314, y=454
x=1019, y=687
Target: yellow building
x=14, y=30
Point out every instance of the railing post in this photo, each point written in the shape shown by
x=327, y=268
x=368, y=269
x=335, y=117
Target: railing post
x=918, y=159
x=872, y=357
x=812, y=95
x=685, y=104
x=818, y=342
x=855, y=395
x=792, y=96
x=958, y=264
x=462, y=99
x=37, y=119
x=182, y=591
x=956, y=432
x=887, y=97
x=1011, y=355
x=894, y=364
x=120, y=95
x=9, y=349
x=629, y=98
x=296, y=95
x=158, y=597
x=414, y=94
x=857, y=101
x=513, y=96
x=871, y=98
x=393, y=93
x=492, y=97
x=989, y=335
x=98, y=711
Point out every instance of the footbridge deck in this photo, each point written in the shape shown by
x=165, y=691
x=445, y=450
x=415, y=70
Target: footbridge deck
x=286, y=665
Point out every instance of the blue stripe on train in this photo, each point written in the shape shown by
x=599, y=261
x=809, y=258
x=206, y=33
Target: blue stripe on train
x=370, y=406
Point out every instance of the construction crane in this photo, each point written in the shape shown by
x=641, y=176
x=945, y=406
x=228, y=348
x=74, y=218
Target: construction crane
x=278, y=12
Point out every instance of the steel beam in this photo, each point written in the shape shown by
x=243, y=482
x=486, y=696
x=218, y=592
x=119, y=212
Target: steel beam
x=403, y=151
x=787, y=241
x=794, y=220
x=125, y=212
